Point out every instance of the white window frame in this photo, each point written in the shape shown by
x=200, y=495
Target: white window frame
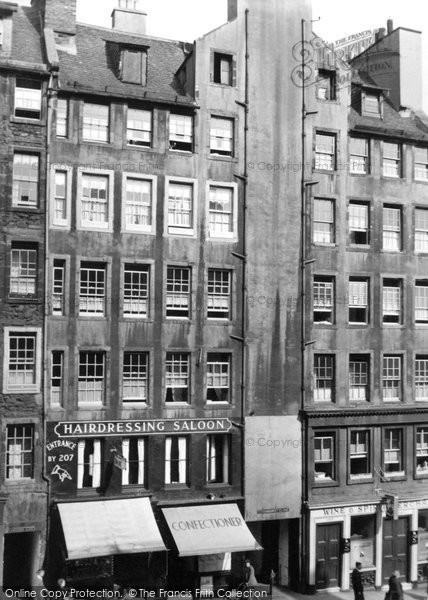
x=360, y=449
x=178, y=379
x=323, y=294
x=95, y=225
x=179, y=296
x=392, y=161
x=99, y=384
x=60, y=118
x=421, y=378
x=24, y=273
x=140, y=381
x=359, y=382
x=183, y=460
x=392, y=301
x=421, y=229
x=326, y=161
x=93, y=123
x=372, y=100
x=137, y=141
x=359, y=222
x=389, y=374
x=15, y=456
x=56, y=223
x=231, y=235
x=94, y=465
x=421, y=164
x=33, y=388
x=140, y=228
x=318, y=235
x=359, y=300
x=177, y=230
x=219, y=375
x=95, y=267
x=182, y=136
x=61, y=293
x=397, y=450
x=217, y=141
x=421, y=301
x=325, y=392
x=141, y=268
x=223, y=440
x=392, y=232
x=321, y=458
x=216, y=300
x=141, y=460
x=57, y=391
x=31, y=181
x=359, y=162
x=28, y=99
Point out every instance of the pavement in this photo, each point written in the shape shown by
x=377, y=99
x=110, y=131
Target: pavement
x=279, y=593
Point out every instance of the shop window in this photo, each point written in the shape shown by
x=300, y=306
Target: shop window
x=421, y=301
x=391, y=378
x=176, y=460
x=28, y=99
x=134, y=453
x=324, y=457
x=19, y=452
x=221, y=136
x=135, y=377
x=392, y=301
x=422, y=544
x=89, y=463
x=421, y=377
x=363, y=535
x=23, y=270
x=392, y=228
x=25, y=192
x=57, y=378
x=218, y=458
x=393, y=452
x=391, y=160
x=91, y=381
x=422, y=451
x=219, y=294
x=136, y=290
x=139, y=127
x=325, y=151
x=177, y=377
x=324, y=373
x=92, y=289
x=359, y=223
x=62, y=118
x=96, y=122
x=421, y=230
x=181, y=132
x=358, y=300
x=323, y=299
x=359, y=162
x=223, y=69
x=324, y=221
x=178, y=286
x=58, y=286
x=218, y=377
x=359, y=455
x=421, y=164
x=359, y=378
x=326, y=85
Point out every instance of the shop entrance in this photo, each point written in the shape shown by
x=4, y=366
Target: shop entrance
x=19, y=552
x=327, y=573
x=395, y=548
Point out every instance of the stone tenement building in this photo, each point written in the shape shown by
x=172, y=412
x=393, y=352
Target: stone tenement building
x=214, y=302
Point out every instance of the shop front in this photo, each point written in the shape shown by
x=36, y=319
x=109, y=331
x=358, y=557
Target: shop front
x=211, y=543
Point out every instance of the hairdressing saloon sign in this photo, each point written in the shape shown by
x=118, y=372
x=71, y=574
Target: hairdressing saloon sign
x=63, y=439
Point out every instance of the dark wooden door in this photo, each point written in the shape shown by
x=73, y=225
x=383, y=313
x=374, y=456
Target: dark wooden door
x=395, y=548
x=328, y=556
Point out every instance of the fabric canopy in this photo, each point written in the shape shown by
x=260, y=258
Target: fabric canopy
x=209, y=529
x=109, y=527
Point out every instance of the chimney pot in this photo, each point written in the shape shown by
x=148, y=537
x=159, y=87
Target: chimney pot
x=389, y=26
x=232, y=9
x=129, y=17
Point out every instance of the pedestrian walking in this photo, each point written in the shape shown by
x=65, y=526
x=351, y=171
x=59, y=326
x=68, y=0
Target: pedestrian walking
x=250, y=577
x=357, y=582
x=395, y=591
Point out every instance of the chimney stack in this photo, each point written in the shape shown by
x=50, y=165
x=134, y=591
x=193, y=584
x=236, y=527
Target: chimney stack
x=380, y=34
x=232, y=9
x=389, y=26
x=129, y=18
x=58, y=15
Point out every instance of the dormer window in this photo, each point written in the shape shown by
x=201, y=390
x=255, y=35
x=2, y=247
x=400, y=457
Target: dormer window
x=133, y=65
x=326, y=85
x=28, y=99
x=371, y=104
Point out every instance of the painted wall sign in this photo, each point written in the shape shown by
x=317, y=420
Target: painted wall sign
x=80, y=429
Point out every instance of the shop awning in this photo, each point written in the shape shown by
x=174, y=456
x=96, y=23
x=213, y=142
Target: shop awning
x=108, y=527
x=209, y=529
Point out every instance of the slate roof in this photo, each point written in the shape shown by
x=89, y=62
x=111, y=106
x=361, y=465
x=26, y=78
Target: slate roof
x=27, y=39
x=93, y=67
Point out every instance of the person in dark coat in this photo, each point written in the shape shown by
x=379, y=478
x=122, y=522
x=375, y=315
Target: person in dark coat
x=357, y=582
x=395, y=591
